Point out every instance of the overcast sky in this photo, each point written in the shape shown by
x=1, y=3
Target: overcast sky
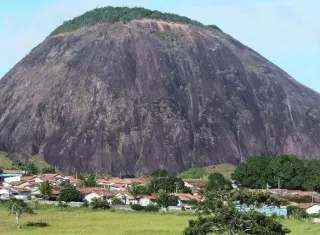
x=287, y=32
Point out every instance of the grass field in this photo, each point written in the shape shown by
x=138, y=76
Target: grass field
x=225, y=169
x=7, y=164
x=85, y=221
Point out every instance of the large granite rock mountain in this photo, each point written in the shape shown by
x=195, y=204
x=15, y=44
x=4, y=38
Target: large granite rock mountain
x=132, y=97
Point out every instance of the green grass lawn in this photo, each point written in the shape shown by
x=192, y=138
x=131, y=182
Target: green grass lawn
x=39, y=161
x=85, y=221
x=225, y=169
x=5, y=162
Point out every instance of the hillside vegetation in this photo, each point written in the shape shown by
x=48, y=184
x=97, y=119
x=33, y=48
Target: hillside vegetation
x=124, y=14
x=7, y=162
x=225, y=169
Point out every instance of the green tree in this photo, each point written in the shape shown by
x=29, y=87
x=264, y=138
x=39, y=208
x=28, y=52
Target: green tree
x=1, y=171
x=45, y=188
x=170, y=184
x=69, y=193
x=159, y=173
x=219, y=216
x=252, y=174
x=286, y=170
x=90, y=181
x=216, y=181
x=99, y=203
x=311, y=175
x=48, y=170
x=30, y=169
x=134, y=190
x=18, y=208
x=164, y=199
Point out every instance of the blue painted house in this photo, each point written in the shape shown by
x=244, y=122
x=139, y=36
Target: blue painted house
x=267, y=210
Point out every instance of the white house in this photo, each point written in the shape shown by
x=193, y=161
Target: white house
x=126, y=198
x=313, y=209
x=147, y=200
x=91, y=196
x=12, y=179
x=4, y=193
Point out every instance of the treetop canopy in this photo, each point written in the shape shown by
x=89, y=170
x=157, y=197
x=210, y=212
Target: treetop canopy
x=122, y=14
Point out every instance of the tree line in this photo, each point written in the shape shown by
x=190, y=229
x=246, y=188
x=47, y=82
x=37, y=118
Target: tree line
x=124, y=14
x=286, y=171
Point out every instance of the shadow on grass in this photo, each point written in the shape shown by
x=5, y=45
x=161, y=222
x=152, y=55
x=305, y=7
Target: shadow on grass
x=38, y=224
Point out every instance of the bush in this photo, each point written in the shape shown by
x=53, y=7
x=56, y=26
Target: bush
x=69, y=193
x=116, y=201
x=99, y=203
x=137, y=207
x=149, y=208
x=49, y=170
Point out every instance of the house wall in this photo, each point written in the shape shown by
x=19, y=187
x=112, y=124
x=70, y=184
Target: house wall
x=313, y=209
x=12, y=179
x=4, y=194
x=145, y=202
x=265, y=210
x=90, y=196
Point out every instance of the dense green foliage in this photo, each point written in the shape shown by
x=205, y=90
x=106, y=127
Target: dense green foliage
x=99, y=204
x=256, y=199
x=193, y=173
x=149, y=208
x=69, y=193
x=116, y=201
x=30, y=168
x=216, y=181
x=164, y=199
x=45, y=188
x=289, y=172
x=90, y=181
x=48, y=170
x=162, y=181
x=124, y=14
x=219, y=216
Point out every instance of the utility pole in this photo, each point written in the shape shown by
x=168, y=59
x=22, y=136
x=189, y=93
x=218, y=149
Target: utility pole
x=279, y=186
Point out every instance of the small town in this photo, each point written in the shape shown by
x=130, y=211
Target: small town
x=121, y=194
x=140, y=117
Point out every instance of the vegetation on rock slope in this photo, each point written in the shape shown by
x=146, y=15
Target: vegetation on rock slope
x=124, y=14
x=226, y=169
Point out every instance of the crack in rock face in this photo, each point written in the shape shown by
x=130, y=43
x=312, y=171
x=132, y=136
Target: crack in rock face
x=130, y=98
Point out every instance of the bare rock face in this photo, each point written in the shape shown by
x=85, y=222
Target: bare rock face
x=150, y=94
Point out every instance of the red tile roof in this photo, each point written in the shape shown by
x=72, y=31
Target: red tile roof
x=117, y=180
x=187, y=197
x=140, y=180
x=97, y=190
x=304, y=205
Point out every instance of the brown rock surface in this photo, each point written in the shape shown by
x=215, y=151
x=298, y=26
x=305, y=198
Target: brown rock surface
x=134, y=97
